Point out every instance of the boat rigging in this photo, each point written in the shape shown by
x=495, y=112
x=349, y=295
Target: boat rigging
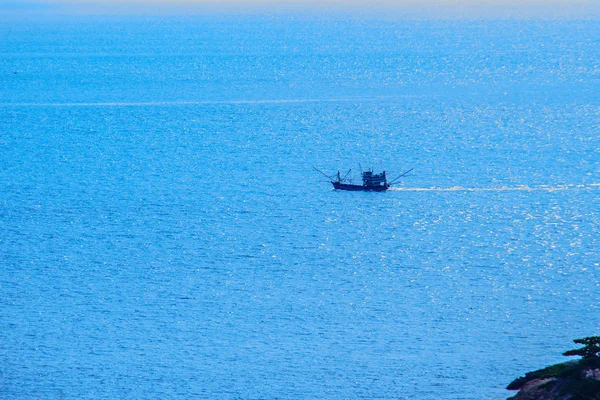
x=372, y=182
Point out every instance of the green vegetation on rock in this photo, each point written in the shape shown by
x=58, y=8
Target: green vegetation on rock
x=591, y=349
x=573, y=380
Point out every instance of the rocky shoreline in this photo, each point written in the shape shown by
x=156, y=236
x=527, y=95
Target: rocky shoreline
x=575, y=380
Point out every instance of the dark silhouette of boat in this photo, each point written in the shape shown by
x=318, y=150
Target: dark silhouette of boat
x=372, y=182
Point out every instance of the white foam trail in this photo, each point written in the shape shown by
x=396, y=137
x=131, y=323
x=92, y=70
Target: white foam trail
x=499, y=188
x=203, y=102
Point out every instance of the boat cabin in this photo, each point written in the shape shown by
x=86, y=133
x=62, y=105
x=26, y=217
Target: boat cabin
x=370, y=179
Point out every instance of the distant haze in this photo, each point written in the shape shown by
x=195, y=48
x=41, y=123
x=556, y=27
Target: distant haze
x=469, y=8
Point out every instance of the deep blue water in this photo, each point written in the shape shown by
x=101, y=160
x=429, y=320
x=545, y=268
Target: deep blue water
x=163, y=233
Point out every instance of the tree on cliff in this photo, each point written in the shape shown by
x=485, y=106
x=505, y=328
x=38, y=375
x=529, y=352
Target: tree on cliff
x=574, y=380
x=591, y=350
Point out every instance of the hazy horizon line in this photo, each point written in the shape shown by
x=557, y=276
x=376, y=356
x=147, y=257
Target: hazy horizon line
x=388, y=8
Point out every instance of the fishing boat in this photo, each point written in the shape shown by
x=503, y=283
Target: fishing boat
x=372, y=182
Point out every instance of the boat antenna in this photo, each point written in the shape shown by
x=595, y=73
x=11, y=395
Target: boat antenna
x=347, y=173
x=324, y=174
x=400, y=176
x=360, y=166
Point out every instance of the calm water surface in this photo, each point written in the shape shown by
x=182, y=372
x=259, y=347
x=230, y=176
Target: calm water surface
x=163, y=233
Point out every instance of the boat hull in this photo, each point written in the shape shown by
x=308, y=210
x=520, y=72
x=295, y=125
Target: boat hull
x=360, y=188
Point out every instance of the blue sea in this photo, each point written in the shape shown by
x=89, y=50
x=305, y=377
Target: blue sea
x=163, y=233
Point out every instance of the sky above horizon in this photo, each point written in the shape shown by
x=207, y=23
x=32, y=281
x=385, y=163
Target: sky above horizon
x=474, y=8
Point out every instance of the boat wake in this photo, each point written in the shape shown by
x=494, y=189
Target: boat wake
x=520, y=188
